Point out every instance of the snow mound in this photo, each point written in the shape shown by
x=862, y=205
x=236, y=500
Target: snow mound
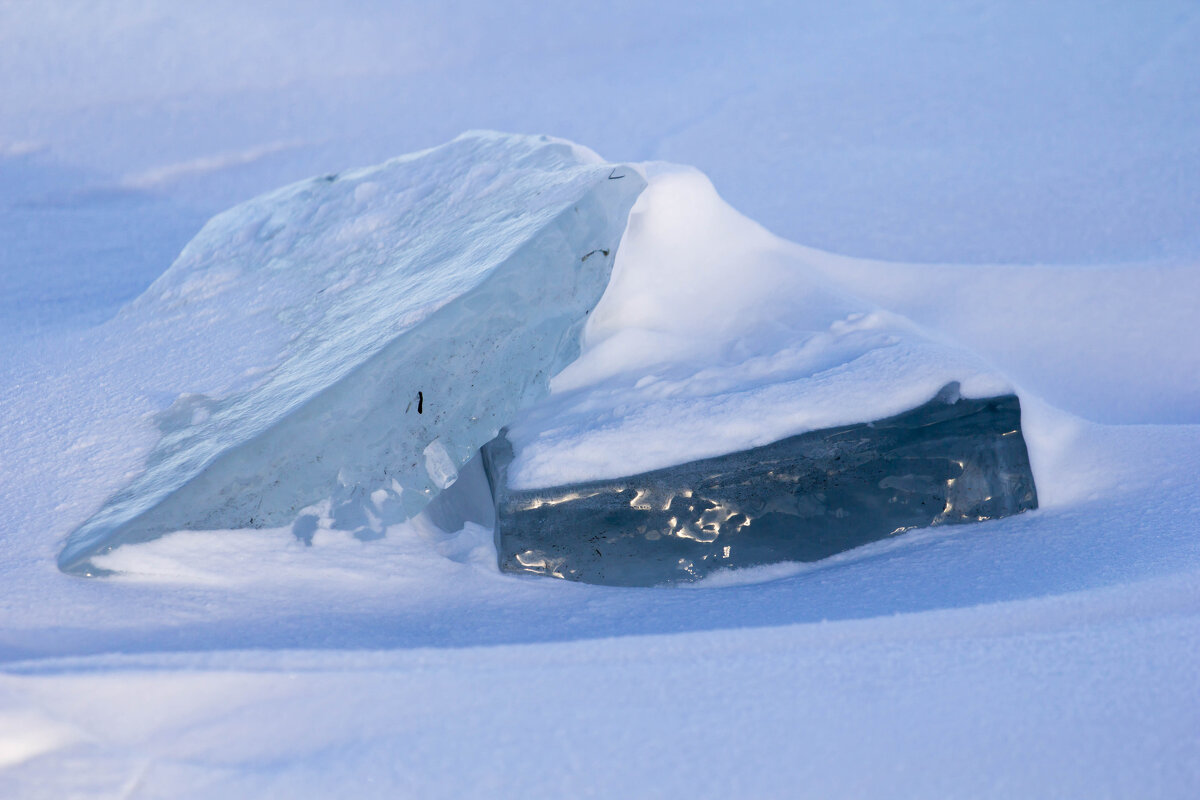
x=715, y=336
x=370, y=331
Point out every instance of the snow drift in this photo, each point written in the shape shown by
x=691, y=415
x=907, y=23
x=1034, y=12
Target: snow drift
x=716, y=336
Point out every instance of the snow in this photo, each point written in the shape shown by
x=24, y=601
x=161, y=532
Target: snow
x=942, y=703
x=1017, y=178
x=715, y=336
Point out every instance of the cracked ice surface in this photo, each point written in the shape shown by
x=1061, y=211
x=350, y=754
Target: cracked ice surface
x=378, y=327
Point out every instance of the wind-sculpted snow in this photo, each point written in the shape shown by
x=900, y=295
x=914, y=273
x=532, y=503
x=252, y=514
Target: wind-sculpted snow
x=392, y=319
x=716, y=336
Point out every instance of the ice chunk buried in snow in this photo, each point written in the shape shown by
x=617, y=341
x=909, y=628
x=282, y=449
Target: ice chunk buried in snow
x=400, y=313
x=714, y=343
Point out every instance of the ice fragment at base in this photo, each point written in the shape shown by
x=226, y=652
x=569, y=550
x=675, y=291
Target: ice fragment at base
x=384, y=323
x=804, y=498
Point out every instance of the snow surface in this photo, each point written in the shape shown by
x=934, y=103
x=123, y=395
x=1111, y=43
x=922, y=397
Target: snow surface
x=715, y=336
x=1043, y=157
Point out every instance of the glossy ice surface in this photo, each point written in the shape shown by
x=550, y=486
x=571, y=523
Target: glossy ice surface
x=804, y=498
x=354, y=338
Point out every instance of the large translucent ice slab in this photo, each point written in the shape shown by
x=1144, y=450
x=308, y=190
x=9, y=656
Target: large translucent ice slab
x=389, y=321
x=807, y=497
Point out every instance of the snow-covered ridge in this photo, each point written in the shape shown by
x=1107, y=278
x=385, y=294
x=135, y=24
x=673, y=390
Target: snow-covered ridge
x=716, y=336
x=362, y=334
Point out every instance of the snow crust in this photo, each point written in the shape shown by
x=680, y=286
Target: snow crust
x=715, y=336
x=379, y=326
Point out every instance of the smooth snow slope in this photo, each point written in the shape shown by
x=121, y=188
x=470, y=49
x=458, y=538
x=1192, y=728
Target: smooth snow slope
x=1045, y=656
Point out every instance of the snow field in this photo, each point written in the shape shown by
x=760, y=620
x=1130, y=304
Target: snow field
x=1018, y=178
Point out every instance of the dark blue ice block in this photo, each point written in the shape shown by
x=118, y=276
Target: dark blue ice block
x=804, y=498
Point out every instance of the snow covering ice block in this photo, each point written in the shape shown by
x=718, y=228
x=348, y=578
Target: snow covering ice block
x=807, y=497
x=375, y=328
x=733, y=405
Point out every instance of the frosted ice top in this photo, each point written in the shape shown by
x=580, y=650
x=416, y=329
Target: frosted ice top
x=367, y=332
x=715, y=336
